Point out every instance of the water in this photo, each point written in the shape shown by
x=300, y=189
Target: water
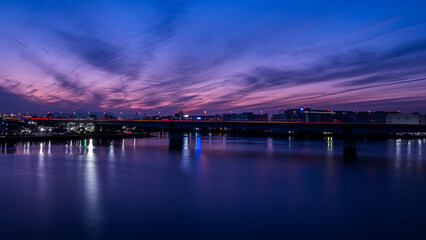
x=217, y=187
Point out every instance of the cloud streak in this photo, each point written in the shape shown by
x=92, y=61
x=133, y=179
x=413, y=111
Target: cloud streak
x=196, y=55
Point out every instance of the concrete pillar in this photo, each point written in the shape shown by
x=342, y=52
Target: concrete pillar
x=349, y=142
x=97, y=128
x=175, y=138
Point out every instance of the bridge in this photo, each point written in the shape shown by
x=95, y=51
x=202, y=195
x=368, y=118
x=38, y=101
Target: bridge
x=349, y=131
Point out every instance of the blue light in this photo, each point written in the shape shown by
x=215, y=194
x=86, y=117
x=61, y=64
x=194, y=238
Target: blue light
x=301, y=109
x=198, y=118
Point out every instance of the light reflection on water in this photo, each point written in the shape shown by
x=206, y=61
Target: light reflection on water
x=186, y=157
x=93, y=213
x=397, y=149
x=270, y=144
x=329, y=144
x=133, y=186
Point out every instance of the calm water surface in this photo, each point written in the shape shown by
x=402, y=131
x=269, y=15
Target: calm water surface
x=217, y=187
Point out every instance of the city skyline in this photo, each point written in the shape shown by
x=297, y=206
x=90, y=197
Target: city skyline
x=219, y=56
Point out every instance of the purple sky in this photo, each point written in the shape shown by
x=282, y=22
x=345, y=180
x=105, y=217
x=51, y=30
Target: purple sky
x=218, y=56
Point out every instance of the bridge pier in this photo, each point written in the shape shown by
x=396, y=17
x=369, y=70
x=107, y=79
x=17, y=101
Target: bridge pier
x=349, y=142
x=175, y=138
x=97, y=128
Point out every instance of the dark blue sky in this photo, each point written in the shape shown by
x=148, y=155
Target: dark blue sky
x=219, y=56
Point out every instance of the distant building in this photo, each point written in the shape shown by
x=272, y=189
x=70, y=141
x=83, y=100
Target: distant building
x=3, y=126
x=180, y=116
x=245, y=116
x=10, y=125
x=423, y=119
x=216, y=117
x=167, y=118
x=108, y=116
x=310, y=115
x=155, y=117
x=369, y=117
x=398, y=118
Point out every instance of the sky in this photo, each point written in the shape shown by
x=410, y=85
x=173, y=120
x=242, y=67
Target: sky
x=216, y=56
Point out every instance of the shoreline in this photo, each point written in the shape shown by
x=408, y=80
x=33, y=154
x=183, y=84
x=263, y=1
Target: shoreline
x=72, y=137
x=301, y=135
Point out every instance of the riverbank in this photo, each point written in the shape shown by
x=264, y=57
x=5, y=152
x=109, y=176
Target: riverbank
x=4, y=138
x=241, y=133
